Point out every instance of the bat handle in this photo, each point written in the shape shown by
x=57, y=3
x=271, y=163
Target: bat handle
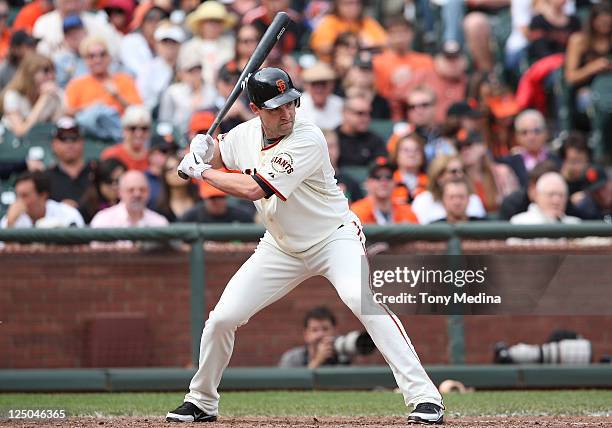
x=183, y=175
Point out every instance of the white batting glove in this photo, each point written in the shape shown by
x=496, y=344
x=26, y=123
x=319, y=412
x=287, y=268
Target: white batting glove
x=204, y=146
x=193, y=165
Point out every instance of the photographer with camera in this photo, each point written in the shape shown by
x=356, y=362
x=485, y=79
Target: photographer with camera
x=323, y=346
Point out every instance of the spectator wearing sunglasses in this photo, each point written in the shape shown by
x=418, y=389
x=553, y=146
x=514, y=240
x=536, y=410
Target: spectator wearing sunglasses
x=101, y=85
x=133, y=151
x=358, y=145
x=32, y=96
x=71, y=175
x=531, y=138
x=428, y=205
x=379, y=206
x=421, y=118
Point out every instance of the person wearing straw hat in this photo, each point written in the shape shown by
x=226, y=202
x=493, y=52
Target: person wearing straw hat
x=208, y=23
x=319, y=104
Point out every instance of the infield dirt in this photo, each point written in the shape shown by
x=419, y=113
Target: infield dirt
x=312, y=422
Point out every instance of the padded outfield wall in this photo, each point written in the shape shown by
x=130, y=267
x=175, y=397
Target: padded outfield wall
x=72, y=306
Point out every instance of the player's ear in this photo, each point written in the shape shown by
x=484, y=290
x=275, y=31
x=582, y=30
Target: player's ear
x=254, y=108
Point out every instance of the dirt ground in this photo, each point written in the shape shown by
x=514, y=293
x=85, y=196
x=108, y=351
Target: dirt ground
x=336, y=422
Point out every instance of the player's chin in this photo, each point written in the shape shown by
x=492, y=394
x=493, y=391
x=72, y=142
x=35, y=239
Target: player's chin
x=286, y=127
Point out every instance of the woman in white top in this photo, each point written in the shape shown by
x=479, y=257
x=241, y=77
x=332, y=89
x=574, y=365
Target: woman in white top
x=428, y=205
x=32, y=96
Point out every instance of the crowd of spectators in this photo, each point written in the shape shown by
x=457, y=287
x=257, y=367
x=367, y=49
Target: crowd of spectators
x=491, y=109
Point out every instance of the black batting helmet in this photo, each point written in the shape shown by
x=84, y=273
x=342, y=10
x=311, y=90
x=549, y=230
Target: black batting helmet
x=271, y=87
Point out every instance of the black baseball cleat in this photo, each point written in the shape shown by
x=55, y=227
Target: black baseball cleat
x=426, y=414
x=188, y=412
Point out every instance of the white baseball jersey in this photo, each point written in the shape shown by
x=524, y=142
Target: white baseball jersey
x=307, y=205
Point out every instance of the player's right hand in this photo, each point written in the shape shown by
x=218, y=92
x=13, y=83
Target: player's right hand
x=204, y=146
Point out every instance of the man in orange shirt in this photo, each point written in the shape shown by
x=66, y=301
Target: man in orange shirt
x=116, y=90
x=396, y=65
x=133, y=151
x=379, y=207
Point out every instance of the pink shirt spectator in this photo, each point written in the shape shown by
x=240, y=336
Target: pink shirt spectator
x=117, y=216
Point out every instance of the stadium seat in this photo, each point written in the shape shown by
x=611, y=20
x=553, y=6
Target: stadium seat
x=359, y=173
x=382, y=127
x=602, y=115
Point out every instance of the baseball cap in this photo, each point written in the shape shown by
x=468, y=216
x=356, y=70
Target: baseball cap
x=596, y=177
x=228, y=72
x=208, y=191
x=136, y=115
x=187, y=61
x=503, y=106
x=451, y=48
x=169, y=32
x=320, y=71
x=465, y=138
x=66, y=127
x=72, y=22
x=21, y=38
x=380, y=163
x=201, y=121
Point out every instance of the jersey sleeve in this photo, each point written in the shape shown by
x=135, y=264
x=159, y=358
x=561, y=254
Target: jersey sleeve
x=226, y=149
x=291, y=166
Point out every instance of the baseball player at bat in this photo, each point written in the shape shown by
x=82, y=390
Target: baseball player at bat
x=309, y=231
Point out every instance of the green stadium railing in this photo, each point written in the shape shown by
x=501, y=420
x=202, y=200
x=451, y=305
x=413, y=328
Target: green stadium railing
x=195, y=235
x=324, y=378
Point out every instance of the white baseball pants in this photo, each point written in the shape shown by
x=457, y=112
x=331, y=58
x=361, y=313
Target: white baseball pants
x=268, y=275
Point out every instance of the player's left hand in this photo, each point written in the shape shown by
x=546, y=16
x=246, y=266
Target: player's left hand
x=193, y=165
